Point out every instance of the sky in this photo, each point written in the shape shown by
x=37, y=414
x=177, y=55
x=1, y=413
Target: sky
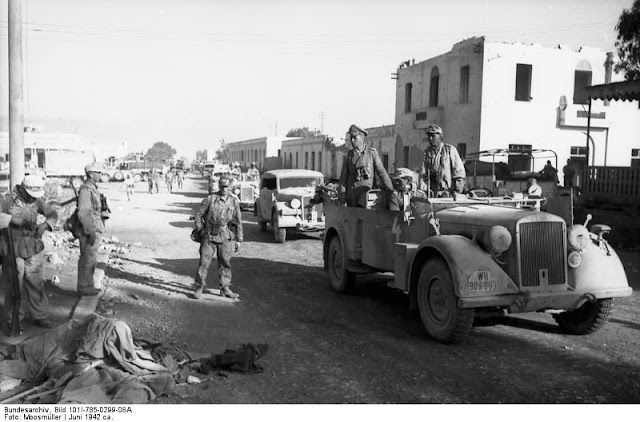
x=192, y=72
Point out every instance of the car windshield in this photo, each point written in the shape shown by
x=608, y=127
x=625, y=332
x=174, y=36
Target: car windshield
x=300, y=182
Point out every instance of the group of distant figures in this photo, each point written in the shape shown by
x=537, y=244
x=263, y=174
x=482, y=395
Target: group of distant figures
x=171, y=177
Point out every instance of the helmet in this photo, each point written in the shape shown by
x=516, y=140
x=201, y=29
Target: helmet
x=224, y=182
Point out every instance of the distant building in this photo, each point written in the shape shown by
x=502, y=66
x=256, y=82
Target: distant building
x=489, y=95
x=265, y=150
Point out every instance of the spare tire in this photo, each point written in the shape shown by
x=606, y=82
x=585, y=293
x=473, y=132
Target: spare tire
x=118, y=176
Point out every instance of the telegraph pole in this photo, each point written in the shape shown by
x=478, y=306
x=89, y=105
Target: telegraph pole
x=16, y=102
x=322, y=115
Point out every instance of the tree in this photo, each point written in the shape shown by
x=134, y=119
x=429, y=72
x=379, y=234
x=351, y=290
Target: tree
x=222, y=152
x=303, y=132
x=628, y=42
x=160, y=151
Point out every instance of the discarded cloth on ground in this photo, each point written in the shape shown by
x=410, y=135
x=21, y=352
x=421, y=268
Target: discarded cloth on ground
x=97, y=360
x=242, y=360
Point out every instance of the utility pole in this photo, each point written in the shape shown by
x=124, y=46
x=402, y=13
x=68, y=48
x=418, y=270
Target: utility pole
x=322, y=115
x=16, y=103
x=276, y=129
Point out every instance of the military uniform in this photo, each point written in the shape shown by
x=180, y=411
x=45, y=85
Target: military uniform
x=89, y=233
x=219, y=221
x=439, y=166
x=358, y=171
x=29, y=252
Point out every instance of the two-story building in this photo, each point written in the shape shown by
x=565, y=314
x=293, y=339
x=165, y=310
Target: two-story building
x=492, y=95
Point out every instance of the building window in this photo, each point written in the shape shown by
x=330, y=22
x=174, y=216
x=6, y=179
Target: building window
x=334, y=165
x=313, y=160
x=578, y=151
x=464, y=84
x=405, y=156
x=582, y=79
x=523, y=82
x=319, y=160
x=434, y=87
x=462, y=149
x=385, y=161
x=297, y=159
x=306, y=161
x=635, y=158
x=407, y=97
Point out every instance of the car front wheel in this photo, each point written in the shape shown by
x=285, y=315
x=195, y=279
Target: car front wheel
x=438, y=304
x=279, y=234
x=587, y=319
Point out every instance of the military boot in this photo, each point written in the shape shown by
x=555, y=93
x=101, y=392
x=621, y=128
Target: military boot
x=225, y=291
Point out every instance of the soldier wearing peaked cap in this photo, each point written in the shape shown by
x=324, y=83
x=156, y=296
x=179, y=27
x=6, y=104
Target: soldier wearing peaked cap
x=360, y=166
x=90, y=228
x=441, y=163
x=27, y=202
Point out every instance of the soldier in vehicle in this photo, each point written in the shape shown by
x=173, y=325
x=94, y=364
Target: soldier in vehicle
x=404, y=184
x=253, y=173
x=219, y=222
x=440, y=165
x=533, y=188
x=360, y=166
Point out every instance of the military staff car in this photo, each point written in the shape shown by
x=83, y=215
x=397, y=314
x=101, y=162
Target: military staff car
x=285, y=202
x=246, y=188
x=461, y=258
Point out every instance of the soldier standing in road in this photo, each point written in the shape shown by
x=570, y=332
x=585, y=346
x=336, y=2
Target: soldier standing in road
x=441, y=163
x=25, y=205
x=219, y=222
x=129, y=184
x=169, y=180
x=360, y=166
x=180, y=178
x=90, y=228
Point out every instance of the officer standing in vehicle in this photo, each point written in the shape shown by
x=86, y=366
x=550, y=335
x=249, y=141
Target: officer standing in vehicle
x=441, y=163
x=91, y=216
x=360, y=166
x=26, y=203
x=219, y=222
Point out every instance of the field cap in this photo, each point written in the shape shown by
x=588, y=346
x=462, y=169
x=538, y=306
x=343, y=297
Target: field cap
x=34, y=185
x=434, y=129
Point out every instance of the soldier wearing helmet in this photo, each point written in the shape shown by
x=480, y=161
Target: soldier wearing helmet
x=219, y=222
x=360, y=166
x=25, y=205
x=441, y=163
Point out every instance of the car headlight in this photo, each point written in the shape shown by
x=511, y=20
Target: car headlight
x=236, y=191
x=574, y=259
x=295, y=203
x=497, y=239
x=577, y=237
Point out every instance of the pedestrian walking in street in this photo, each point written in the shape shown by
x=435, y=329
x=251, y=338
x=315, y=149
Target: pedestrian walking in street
x=168, y=179
x=25, y=205
x=129, y=184
x=151, y=180
x=180, y=179
x=91, y=215
x=219, y=223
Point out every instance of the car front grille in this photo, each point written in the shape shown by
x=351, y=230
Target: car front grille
x=542, y=253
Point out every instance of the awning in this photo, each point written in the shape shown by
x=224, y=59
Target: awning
x=625, y=91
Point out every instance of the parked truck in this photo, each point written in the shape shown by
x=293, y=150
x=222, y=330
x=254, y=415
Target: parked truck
x=63, y=164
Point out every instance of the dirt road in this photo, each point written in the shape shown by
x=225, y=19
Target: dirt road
x=364, y=347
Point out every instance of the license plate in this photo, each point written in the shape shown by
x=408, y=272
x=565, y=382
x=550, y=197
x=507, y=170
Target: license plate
x=481, y=281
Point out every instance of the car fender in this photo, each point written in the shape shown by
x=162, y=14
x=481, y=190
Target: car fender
x=473, y=270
